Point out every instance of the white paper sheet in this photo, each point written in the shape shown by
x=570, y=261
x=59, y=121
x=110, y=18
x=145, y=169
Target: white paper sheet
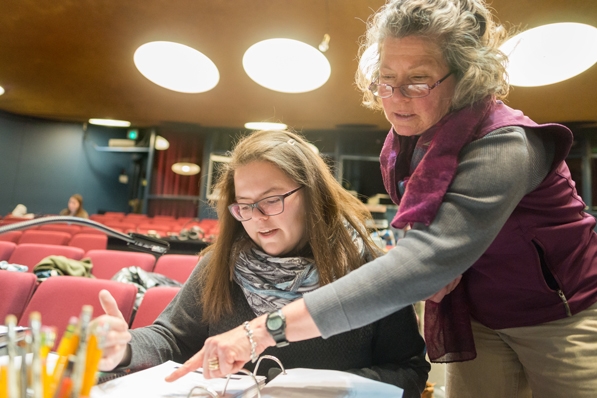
x=149, y=383
x=326, y=384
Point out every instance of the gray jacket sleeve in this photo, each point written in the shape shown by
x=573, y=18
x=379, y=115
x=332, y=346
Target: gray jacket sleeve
x=178, y=333
x=493, y=174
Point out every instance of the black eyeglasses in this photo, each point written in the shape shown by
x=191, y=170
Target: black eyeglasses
x=270, y=206
x=383, y=90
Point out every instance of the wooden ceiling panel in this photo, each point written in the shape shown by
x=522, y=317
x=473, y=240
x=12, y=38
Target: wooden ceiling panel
x=73, y=59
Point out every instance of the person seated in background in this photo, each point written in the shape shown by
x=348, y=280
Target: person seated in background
x=75, y=207
x=20, y=211
x=287, y=227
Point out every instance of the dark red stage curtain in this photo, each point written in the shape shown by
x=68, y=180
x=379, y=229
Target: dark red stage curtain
x=184, y=147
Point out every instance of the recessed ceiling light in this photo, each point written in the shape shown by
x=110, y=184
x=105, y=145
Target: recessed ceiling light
x=286, y=65
x=176, y=67
x=265, y=126
x=550, y=53
x=161, y=144
x=185, y=169
x=110, y=122
x=1, y=90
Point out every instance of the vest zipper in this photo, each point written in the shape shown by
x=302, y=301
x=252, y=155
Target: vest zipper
x=565, y=301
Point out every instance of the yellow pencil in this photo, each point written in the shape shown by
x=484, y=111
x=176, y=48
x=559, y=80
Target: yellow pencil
x=92, y=360
x=48, y=338
x=68, y=345
x=3, y=384
x=79, y=368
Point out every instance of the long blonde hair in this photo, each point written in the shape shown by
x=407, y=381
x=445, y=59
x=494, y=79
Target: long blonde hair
x=328, y=206
x=463, y=29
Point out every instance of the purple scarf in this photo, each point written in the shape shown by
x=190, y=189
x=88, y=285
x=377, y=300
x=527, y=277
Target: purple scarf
x=426, y=187
x=448, y=332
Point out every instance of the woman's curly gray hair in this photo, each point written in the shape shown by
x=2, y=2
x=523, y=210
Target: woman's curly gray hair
x=464, y=30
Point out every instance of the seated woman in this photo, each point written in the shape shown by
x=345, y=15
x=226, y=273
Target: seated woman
x=286, y=228
x=75, y=207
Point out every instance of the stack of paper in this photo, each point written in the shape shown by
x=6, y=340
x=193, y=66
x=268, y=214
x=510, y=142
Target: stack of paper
x=150, y=383
x=326, y=384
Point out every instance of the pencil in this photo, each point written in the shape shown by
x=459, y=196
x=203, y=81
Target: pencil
x=68, y=345
x=11, y=345
x=94, y=354
x=79, y=368
x=48, y=338
x=66, y=383
x=36, y=363
x=3, y=384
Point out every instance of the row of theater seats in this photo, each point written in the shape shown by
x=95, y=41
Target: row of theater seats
x=59, y=298
x=82, y=238
x=106, y=263
x=162, y=226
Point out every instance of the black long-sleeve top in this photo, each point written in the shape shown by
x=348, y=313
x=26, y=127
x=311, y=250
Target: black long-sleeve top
x=390, y=350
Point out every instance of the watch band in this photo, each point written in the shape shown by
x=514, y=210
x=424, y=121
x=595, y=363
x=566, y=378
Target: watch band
x=276, y=326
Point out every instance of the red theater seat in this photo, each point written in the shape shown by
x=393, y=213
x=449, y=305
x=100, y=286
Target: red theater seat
x=46, y=237
x=154, y=301
x=6, y=249
x=106, y=263
x=60, y=297
x=11, y=236
x=89, y=241
x=30, y=254
x=17, y=288
x=71, y=229
x=176, y=266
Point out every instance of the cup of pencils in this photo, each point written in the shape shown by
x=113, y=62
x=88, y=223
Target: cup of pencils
x=32, y=371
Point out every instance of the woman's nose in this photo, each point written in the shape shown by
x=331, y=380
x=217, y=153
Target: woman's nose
x=260, y=214
x=397, y=96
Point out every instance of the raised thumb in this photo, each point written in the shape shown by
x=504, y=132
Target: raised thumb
x=109, y=304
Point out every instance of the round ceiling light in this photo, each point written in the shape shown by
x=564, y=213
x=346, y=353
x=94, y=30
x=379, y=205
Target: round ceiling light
x=185, y=169
x=176, y=67
x=2, y=90
x=161, y=144
x=265, y=126
x=286, y=65
x=110, y=122
x=550, y=53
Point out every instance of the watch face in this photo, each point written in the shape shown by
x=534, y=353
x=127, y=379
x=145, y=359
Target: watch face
x=274, y=323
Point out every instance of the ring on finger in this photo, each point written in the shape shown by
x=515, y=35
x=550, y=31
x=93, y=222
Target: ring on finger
x=213, y=363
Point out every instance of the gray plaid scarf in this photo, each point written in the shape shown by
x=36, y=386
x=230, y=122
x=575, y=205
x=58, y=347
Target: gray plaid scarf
x=269, y=283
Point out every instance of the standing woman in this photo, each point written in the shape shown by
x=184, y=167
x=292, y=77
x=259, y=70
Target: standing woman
x=75, y=207
x=488, y=195
x=287, y=227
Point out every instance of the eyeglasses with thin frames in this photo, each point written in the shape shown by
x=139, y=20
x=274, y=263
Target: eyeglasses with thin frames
x=270, y=206
x=418, y=90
